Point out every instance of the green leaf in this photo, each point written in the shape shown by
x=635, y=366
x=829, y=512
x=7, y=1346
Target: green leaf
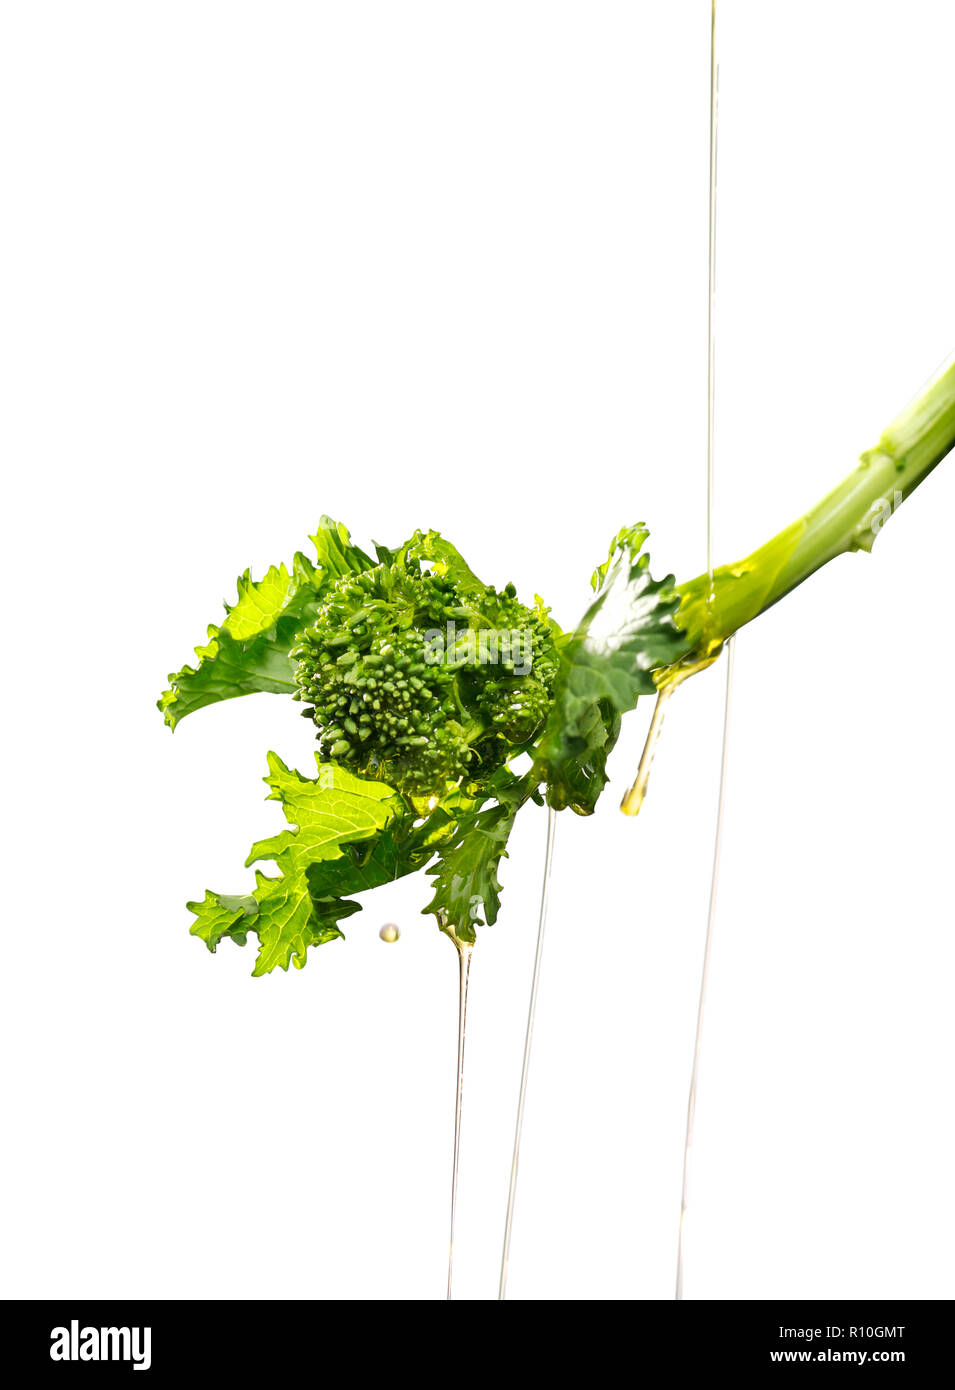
x=577, y=779
x=276, y=913
x=445, y=560
x=249, y=651
x=626, y=634
x=336, y=554
x=286, y=924
x=403, y=847
x=467, y=890
x=219, y=915
x=326, y=813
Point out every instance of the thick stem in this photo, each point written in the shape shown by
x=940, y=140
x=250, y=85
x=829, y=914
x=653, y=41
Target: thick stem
x=849, y=518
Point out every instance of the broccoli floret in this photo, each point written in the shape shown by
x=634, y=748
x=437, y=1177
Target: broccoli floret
x=421, y=680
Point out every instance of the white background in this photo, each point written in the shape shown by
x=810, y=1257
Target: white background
x=445, y=265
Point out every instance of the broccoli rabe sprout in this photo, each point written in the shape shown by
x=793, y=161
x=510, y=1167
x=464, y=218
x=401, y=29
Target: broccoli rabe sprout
x=412, y=677
x=426, y=685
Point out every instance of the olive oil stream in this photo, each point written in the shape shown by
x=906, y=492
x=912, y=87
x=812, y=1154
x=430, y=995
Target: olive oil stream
x=464, y=949
x=721, y=797
x=528, y=1043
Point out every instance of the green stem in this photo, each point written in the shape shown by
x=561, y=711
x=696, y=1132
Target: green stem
x=849, y=518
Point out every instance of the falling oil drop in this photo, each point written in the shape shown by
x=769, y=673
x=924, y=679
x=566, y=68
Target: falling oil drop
x=389, y=932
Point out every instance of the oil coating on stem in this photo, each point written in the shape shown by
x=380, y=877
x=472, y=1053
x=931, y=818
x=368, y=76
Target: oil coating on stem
x=850, y=517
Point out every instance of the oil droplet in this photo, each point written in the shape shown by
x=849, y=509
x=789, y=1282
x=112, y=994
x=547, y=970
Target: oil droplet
x=389, y=932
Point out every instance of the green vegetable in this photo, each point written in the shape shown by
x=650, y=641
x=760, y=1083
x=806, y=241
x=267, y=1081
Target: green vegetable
x=426, y=686
x=424, y=677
